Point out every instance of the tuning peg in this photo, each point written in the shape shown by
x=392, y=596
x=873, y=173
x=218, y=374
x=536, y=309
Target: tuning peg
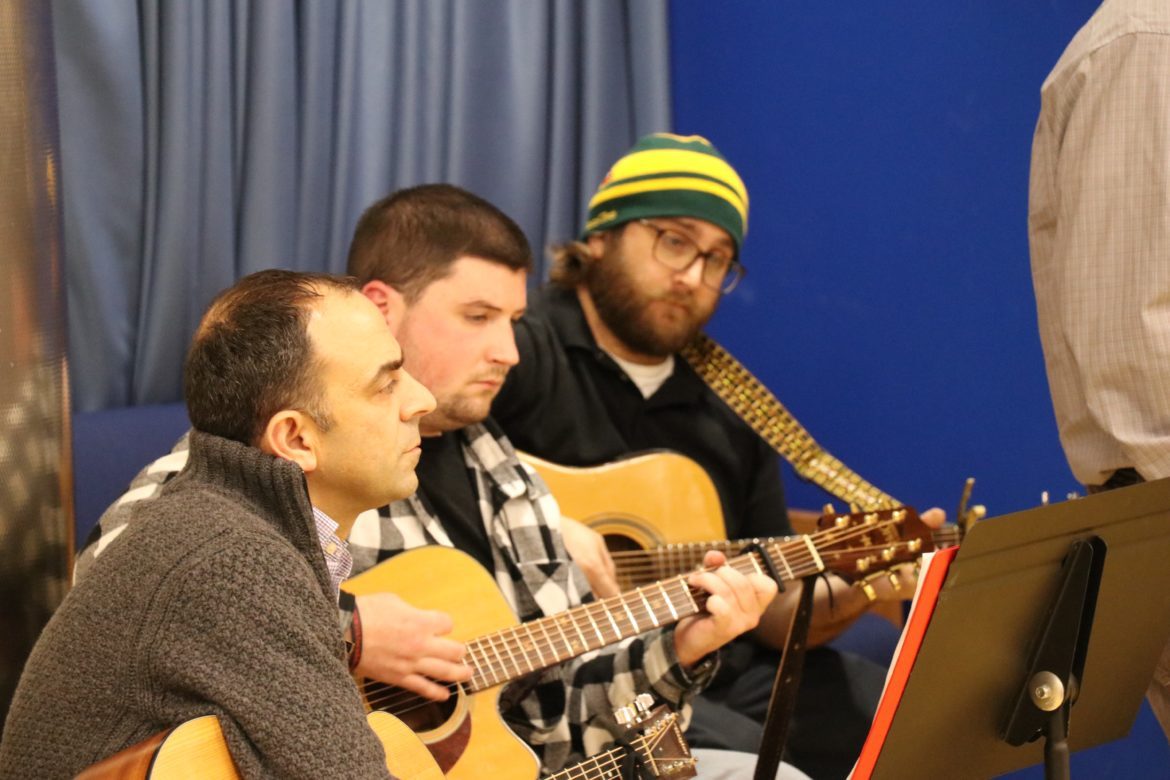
x=828, y=510
x=633, y=711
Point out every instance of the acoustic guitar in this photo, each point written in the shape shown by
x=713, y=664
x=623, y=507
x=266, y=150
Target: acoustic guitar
x=467, y=735
x=659, y=513
x=196, y=750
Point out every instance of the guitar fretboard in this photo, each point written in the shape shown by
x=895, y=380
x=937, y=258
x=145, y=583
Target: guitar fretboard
x=634, y=567
x=538, y=644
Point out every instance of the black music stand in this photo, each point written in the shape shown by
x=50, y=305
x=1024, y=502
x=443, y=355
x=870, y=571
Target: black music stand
x=1079, y=589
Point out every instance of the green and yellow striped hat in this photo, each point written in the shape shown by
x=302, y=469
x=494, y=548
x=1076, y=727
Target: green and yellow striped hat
x=668, y=175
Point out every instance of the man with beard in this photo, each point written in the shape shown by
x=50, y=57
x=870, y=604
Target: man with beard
x=448, y=271
x=599, y=379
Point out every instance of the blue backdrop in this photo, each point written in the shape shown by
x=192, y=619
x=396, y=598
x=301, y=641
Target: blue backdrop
x=888, y=301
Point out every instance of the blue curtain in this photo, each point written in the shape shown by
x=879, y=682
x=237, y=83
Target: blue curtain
x=205, y=140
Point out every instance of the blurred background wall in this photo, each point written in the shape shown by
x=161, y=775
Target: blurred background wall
x=36, y=528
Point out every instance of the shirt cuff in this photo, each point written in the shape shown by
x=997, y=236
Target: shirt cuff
x=667, y=676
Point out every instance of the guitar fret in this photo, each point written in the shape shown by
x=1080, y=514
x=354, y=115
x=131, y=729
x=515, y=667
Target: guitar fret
x=778, y=553
x=669, y=603
x=596, y=628
x=649, y=608
x=580, y=633
x=758, y=569
x=530, y=646
x=477, y=663
x=524, y=654
x=629, y=612
x=507, y=645
x=609, y=614
x=816, y=555
x=564, y=637
x=548, y=638
x=492, y=645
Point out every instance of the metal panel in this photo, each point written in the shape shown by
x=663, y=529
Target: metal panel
x=36, y=540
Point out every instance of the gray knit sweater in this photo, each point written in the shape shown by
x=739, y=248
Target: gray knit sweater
x=215, y=601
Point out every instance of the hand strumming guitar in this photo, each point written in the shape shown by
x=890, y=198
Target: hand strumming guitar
x=734, y=606
x=405, y=646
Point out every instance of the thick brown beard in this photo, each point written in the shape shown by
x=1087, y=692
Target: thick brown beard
x=625, y=309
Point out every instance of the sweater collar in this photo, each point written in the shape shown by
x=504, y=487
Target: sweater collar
x=273, y=487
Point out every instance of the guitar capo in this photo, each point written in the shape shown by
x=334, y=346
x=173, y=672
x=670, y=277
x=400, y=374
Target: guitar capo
x=756, y=547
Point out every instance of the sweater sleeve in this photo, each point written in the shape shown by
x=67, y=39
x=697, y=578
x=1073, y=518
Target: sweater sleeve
x=246, y=617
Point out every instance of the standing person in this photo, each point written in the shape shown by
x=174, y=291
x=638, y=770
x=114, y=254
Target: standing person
x=1099, y=232
x=287, y=376
x=599, y=378
x=448, y=271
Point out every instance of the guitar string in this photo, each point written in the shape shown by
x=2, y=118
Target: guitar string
x=661, y=561
x=948, y=535
x=382, y=696
x=397, y=696
x=603, y=762
x=658, y=568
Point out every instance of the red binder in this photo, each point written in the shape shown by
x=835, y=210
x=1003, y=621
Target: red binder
x=931, y=580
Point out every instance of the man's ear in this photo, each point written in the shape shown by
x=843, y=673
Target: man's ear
x=596, y=244
x=389, y=301
x=292, y=435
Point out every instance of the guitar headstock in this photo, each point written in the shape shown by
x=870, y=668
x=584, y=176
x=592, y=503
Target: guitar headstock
x=860, y=543
x=658, y=739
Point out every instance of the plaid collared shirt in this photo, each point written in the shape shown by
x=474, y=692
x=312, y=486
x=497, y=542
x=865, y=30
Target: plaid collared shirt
x=563, y=712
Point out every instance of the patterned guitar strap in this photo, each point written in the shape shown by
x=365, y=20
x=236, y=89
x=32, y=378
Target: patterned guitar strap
x=760, y=409
x=763, y=412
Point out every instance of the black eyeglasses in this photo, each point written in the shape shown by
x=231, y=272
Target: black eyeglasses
x=676, y=251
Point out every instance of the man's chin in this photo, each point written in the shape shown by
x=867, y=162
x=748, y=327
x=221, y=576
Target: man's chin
x=456, y=416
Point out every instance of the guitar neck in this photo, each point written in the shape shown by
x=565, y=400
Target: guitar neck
x=603, y=766
x=539, y=644
x=636, y=566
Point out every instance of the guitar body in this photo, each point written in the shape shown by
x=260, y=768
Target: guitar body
x=406, y=756
x=473, y=742
x=641, y=502
x=196, y=750
x=193, y=750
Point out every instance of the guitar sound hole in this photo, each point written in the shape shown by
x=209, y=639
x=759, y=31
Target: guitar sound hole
x=419, y=713
x=620, y=543
x=430, y=715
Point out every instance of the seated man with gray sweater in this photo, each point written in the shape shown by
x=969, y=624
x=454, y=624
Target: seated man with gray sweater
x=224, y=601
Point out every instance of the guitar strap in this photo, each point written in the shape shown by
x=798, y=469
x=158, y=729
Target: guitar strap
x=757, y=406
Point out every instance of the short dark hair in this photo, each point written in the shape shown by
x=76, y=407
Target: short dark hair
x=411, y=238
x=252, y=355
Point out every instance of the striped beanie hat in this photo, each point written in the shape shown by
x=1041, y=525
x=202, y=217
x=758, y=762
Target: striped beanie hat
x=668, y=175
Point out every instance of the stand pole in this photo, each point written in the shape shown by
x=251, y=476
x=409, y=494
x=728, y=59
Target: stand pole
x=1056, y=766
